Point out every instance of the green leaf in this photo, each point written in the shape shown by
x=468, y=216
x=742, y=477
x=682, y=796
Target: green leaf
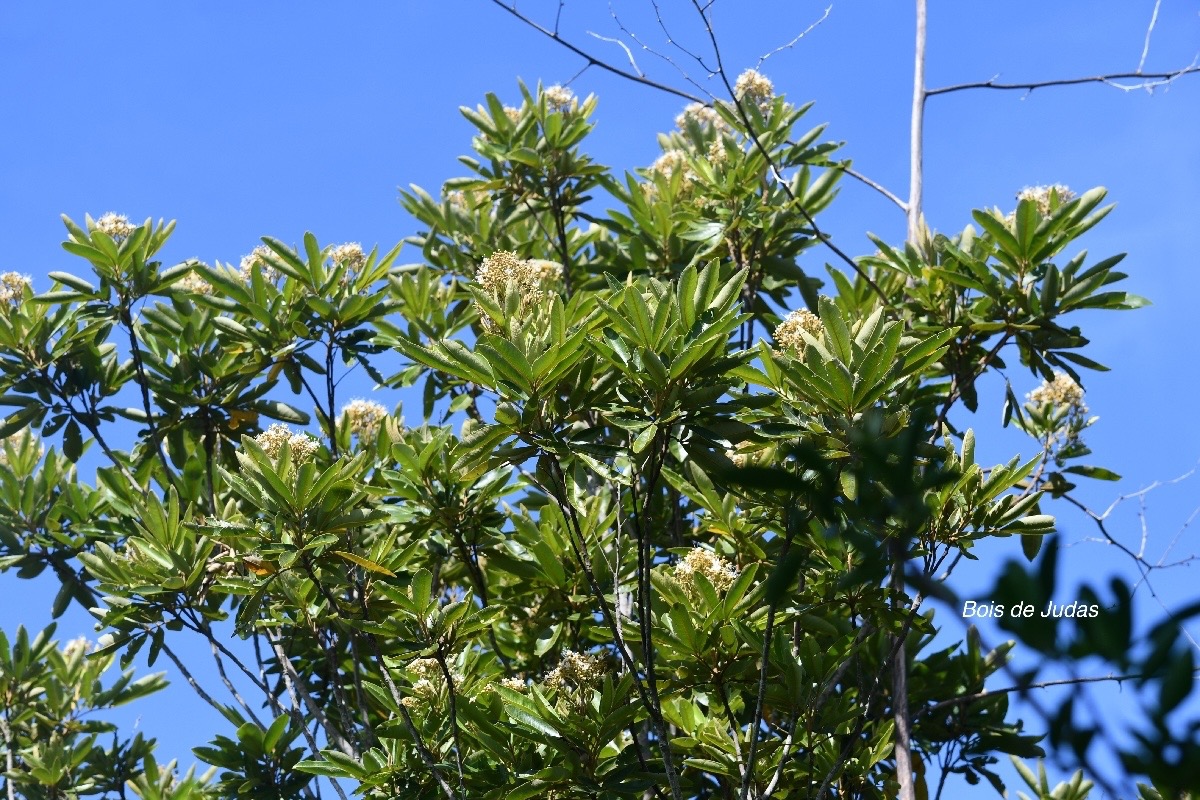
x=280, y=411
x=1098, y=473
x=1031, y=545
x=19, y=420
x=72, y=441
x=365, y=563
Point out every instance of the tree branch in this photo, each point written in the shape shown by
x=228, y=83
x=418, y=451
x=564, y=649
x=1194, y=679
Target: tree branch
x=1149, y=80
x=592, y=60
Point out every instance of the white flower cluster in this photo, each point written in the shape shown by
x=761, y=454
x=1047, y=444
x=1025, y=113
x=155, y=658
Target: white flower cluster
x=576, y=671
x=17, y=441
x=429, y=682
x=273, y=439
x=787, y=334
x=1062, y=391
x=75, y=648
x=1041, y=195
x=702, y=115
x=755, y=87
x=503, y=271
x=365, y=418
x=673, y=161
x=117, y=226
x=256, y=261
x=351, y=254
x=514, y=683
x=560, y=98
x=719, y=572
x=716, y=152
x=514, y=114
x=12, y=288
x=193, y=283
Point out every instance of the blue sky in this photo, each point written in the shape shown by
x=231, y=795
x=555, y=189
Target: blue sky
x=272, y=118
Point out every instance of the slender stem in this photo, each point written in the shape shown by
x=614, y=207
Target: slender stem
x=765, y=656
x=579, y=547
x=297, y=685
x=297, y=717
x=330, y=386
x=398, y=699
x=453, y=694
x=1149, y=81
x=734, y=728
x=900, y=712
x=135, y=352
x=187, y=676
x=8, y=756
x=230, y=687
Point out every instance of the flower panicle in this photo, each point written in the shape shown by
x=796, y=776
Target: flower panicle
x=272, y=440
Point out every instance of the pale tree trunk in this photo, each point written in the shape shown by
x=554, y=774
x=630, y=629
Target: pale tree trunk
x=900, y=713
x=916, y=149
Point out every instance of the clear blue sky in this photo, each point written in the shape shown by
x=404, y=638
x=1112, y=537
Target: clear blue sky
x=272, y=118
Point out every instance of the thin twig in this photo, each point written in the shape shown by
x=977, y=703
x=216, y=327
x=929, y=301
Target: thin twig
x=230, y=687
x=883, y=190
x=297, y=716
x=623, y=46
x=187, y=676
x=1149, y=33
x=797, y=38
x=398, y=699
x=593, y=60
x=298, y=686
x=1150, y=80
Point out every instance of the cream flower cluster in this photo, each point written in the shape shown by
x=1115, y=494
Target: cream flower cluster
x=365, y=418
x=17, y=440
x=12, y=288
x=719, y=572
x=273, y=439
x=671, y=162
x=576, y=671
x=504, y=271
x=702, y=115
x=559, y=98
x=351, y=254
x=256, y=261
x=117, y=226
x=1062, y=391
x=429, y=682
x=752, y=85
x=195, y=284
x=788, y=333
x=1040, y=195
x=716, y=152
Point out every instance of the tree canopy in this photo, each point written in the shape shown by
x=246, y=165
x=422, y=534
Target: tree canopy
x=668, y=519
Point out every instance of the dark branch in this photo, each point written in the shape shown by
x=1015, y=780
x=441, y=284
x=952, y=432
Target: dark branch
x=1149, y=80
x=593, y=60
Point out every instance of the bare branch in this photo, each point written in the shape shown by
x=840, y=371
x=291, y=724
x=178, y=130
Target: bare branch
x=632, y=35
x=883, y=190
x=1025, y=687
x=593, y=60
x=798, y=37
x=1149, y=81
x=624, y=47
x=1149, y=33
